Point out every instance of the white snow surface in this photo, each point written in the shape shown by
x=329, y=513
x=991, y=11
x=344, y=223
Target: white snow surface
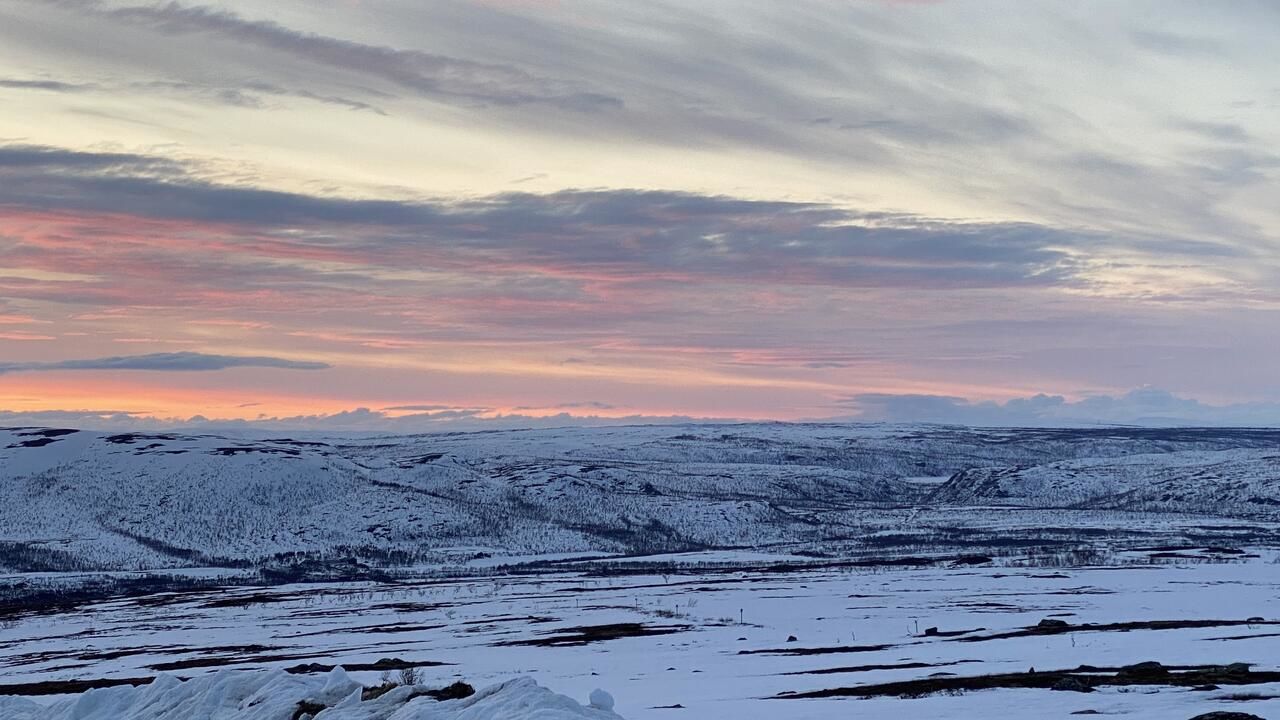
x=868, y=626
x=276, y=695
x=1184, y=523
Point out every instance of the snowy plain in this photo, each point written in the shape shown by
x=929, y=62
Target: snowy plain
x=716, y=643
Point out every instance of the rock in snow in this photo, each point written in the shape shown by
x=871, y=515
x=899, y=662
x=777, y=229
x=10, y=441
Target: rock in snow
x=276, y=695
x=601, y=700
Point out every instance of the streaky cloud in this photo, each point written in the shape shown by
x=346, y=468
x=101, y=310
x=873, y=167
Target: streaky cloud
x=56, y=86
x=422, y=73
x=623, y=233
x=164, y=362
x=1177, y=44
x=357, y=420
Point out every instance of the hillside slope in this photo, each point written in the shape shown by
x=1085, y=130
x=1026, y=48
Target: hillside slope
x=1233, y=483
x=92, y=500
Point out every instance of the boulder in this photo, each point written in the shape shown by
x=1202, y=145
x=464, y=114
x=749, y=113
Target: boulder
x=1070, y=684
x=1143, y=671
x=600, y=700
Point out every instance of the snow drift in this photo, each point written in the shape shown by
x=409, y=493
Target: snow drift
x=276, y=695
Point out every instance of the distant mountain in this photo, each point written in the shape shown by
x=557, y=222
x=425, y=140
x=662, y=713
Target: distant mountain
x=94, y=500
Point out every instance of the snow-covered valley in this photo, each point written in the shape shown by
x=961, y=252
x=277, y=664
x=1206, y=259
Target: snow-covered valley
x=758, y=570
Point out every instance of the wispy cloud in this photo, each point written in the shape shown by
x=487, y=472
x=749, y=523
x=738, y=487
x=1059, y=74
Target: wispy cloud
x=17, y=320
x=798, y=203
x=629, y=234
x=45, y=85
x=358, y=420
x=163, y=362
x=1178, y=44
x=582, y=405
x=18, y=336
x=416, y=408
x=427, y=74
x=248, y=94
x=577, y=282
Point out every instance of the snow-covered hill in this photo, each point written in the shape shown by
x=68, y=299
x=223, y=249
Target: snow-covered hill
x=93, y=500
x=1238, y=483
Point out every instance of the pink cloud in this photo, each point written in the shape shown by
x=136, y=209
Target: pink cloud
x=19, y=320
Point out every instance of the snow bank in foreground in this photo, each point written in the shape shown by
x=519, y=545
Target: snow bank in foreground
x=275, y=695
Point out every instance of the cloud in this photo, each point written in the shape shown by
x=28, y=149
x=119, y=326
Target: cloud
x=584, y=405
x=358, y=420
x=17, y=320
x=248, y=94
x=163, y=362
x=1143, y=406
x=1218, y=131
x=45, y=85
x=1148, y=407
x=599, y=280
x=422, y=73
x=87, y=419
x=629, y=234
x=820, y=149
x=150, y=186
x=906, y=99
x=1177, y=44
x=37, y=160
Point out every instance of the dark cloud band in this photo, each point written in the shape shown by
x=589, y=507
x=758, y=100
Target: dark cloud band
x=416, y=72
x=164, y=362
x=623, y=233
x=1150, y=407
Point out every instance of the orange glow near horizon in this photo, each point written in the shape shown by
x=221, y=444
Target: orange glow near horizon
x=150, y=397
x=57, y=391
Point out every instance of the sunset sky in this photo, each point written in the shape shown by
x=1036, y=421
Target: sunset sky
x=395, y=214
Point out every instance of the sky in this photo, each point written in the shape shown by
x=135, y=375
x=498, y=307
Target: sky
x=390, y=214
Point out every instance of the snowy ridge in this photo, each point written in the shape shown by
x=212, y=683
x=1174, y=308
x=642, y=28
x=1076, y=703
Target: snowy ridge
x=276, y=695
x=73, y=500
x=1239, y=483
